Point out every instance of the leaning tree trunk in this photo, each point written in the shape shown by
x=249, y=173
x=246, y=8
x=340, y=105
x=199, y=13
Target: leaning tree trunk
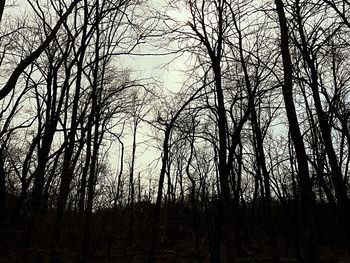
x=337, y=178
x=2, y=7
x=306, y=194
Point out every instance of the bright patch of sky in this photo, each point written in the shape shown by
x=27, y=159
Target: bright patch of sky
x=169, y=71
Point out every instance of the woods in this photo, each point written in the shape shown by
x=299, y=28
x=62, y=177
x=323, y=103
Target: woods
x=244, y=158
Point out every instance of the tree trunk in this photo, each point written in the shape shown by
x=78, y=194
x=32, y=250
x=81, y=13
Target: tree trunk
x=2, y=7
x=3, y=214
x=306, y=194
x=337, y=178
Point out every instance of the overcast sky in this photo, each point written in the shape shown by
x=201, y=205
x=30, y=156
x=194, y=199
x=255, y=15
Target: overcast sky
x=168, y=70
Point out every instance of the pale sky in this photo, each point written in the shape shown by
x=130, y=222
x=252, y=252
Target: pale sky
x=169, y=70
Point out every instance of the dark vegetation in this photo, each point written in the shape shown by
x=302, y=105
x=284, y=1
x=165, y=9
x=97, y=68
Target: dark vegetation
x=184, y=236
x=247, y=162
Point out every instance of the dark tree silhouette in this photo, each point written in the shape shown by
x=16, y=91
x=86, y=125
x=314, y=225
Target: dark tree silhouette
x=244, y=158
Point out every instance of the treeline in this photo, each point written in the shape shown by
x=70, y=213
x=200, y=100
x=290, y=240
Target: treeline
x=254, y=148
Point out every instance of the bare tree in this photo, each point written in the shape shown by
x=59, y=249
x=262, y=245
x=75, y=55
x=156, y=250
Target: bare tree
x=307, y=196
